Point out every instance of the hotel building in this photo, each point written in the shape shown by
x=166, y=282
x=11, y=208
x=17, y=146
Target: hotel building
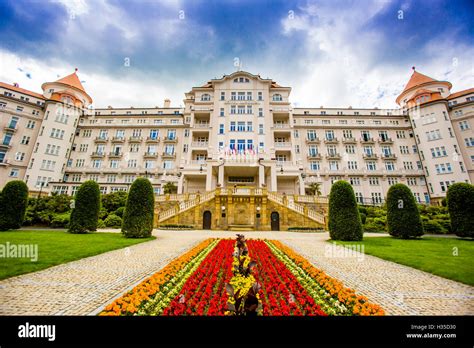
x=239, y=130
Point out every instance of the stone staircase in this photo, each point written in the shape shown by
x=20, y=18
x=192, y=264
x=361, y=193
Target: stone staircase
x=186, y=202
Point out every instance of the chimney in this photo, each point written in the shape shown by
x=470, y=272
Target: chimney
x=15, y=84
x=167, y=103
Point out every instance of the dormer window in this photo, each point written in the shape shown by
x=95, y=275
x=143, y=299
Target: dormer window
x=277, y=97
x=241, y=80
x=422, y=99
x=66, y=99
x=205, y=97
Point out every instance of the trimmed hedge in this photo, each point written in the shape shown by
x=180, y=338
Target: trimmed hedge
x=344, y=218
x=403, y=217
x=113, y=221
x=138, y=215
x=13, y=203
x=460, y=199
x=85, y=215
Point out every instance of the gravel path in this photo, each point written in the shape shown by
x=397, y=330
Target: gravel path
x=85, y=286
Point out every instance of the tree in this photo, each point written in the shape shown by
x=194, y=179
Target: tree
x=344, y=219
x=460, y=199
x=139, y=210
x=13, y=203
x=314, y=189
x=85, y=214
x=112, y=201
x=403, y=216
x=170, y=187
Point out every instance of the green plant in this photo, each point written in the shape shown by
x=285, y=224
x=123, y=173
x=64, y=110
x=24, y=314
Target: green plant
x=363, y=217
x=120, y=211
x=344, y=219
x=113, y=221
x=101, y=224
x=314, y=189
x=61, y=220
x=460, y=199
x=113, y=201
x=403, y=216
x=169, y=188
x=433, y=226
x=138, y=216
x=13, y=203
x=85, y=214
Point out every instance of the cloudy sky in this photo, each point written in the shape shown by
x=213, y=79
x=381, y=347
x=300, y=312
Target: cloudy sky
x=332, y=53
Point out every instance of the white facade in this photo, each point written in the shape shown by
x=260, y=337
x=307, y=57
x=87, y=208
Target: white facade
x=238, y=130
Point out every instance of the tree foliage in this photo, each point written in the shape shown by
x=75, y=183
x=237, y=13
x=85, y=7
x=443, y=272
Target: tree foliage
x=13, y=203
x=403, y=216
x=85, y=214
x=460, y=199
x=139, y=210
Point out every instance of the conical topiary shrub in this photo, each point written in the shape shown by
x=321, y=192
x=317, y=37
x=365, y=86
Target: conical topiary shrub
x=138, y=215
x=13, y=202
x=460, y=200
x=403, y=216
x=344, y=219
x=85, y=214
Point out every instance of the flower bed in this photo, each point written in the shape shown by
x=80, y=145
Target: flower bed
x=159, y=283
x=256, y=277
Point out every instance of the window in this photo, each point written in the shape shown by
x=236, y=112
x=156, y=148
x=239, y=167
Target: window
x=469, y=141
x=463, y=125
x=19, y=108
x=376, y=197
x=352, y=165
x=249, y=109
x=311, y=134
x=371, y=166
x=401, y=134
x=114, y=164
x=54, y=149
x=314, y=165
x=240, y=95
x=347, y=133
x=171, y=134
x=374, y=181
x=19, y=156
x=411, y=181
x=260, y=112
x=404, y=150
x=443, y=168
x=168, y=164
x=31, y=124
x=438, y=152
x=241, y=80
x=390, y=166
x=350, y=149
x=222, y=114
x=241, y=109
x=154, y=134
x=132, y=163
x=260, y=129
x=249, y=95
x=392, y=180
x=149, y=164
x=354, y=181
x=186, y=133
x=13, y=122
x=61, y=118
x=24, y=141
x=366, y=136
x=249, y=127
x=222, y=95
x=433, y=135
x=329, y=135
x=48, y=165
x=2, y=157
x=313, y=151
x=205, y=97
x=80, y=163
x=277, y=97
x=260, y=96
x=359, y=197
x=14, y=173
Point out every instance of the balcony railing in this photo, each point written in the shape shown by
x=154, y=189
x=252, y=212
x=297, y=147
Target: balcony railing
x=170, y=139
x=367, y=140
x=115, y=154
x=101, y=139
x=335, y=156
x=197, y=163
x=370, y=156
x=135, y=139
x=98, y=154
x=152, y=139
x=389, y=156
x=385, y=140
x=283, y=144
x=10, y=128
x=314, y=140
x=168, y=155
x=284, y=163
x=200, y=144
x=150, y=155
x=118, y=139
x=331, y=141
x=281, y=126
x=349, y=140
x=201, y=125
x=314, y=155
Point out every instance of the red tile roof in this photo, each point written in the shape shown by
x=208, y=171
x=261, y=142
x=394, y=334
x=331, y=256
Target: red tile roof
x=72, y=80
x=21, y=90
x=461, y=93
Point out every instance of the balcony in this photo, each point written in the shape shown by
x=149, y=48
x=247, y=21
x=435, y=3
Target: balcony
x=198, y=163
x=314, y=156
x=168, y=155
x=349, y=140
x=367, y=140
x=135, y=139
x=199, y=144
x=5, y=146
x=101, y=139
x=4, y=162
x=284, y=163
x=150, y=155
x=333, y=156
x=281, y=126
x=280, y=145
x=312, y=141
x=385, y=141
x=370, y=156
x=10, y=128
x=171, y=139
x=201, y=125
x=331, y=141
x=389, y=156
x=154, y=140
x=98, y=155
x=116, y=154
x=118, y=139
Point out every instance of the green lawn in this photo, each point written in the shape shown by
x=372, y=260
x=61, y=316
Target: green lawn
x=57, y=247
x=430, y=254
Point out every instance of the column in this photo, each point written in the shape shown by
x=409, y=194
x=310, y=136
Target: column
x=261, y=176
x=181, y=184
x=273, y=178
x=220, y=178
x=301, y=182
x=209, y=178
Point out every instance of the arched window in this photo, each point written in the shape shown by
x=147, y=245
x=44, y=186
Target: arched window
x=241, y=80
x=277, y=97
x=205, y=97
x=66, y=99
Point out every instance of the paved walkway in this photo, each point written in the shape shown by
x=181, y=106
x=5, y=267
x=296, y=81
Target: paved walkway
x=83, y=287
